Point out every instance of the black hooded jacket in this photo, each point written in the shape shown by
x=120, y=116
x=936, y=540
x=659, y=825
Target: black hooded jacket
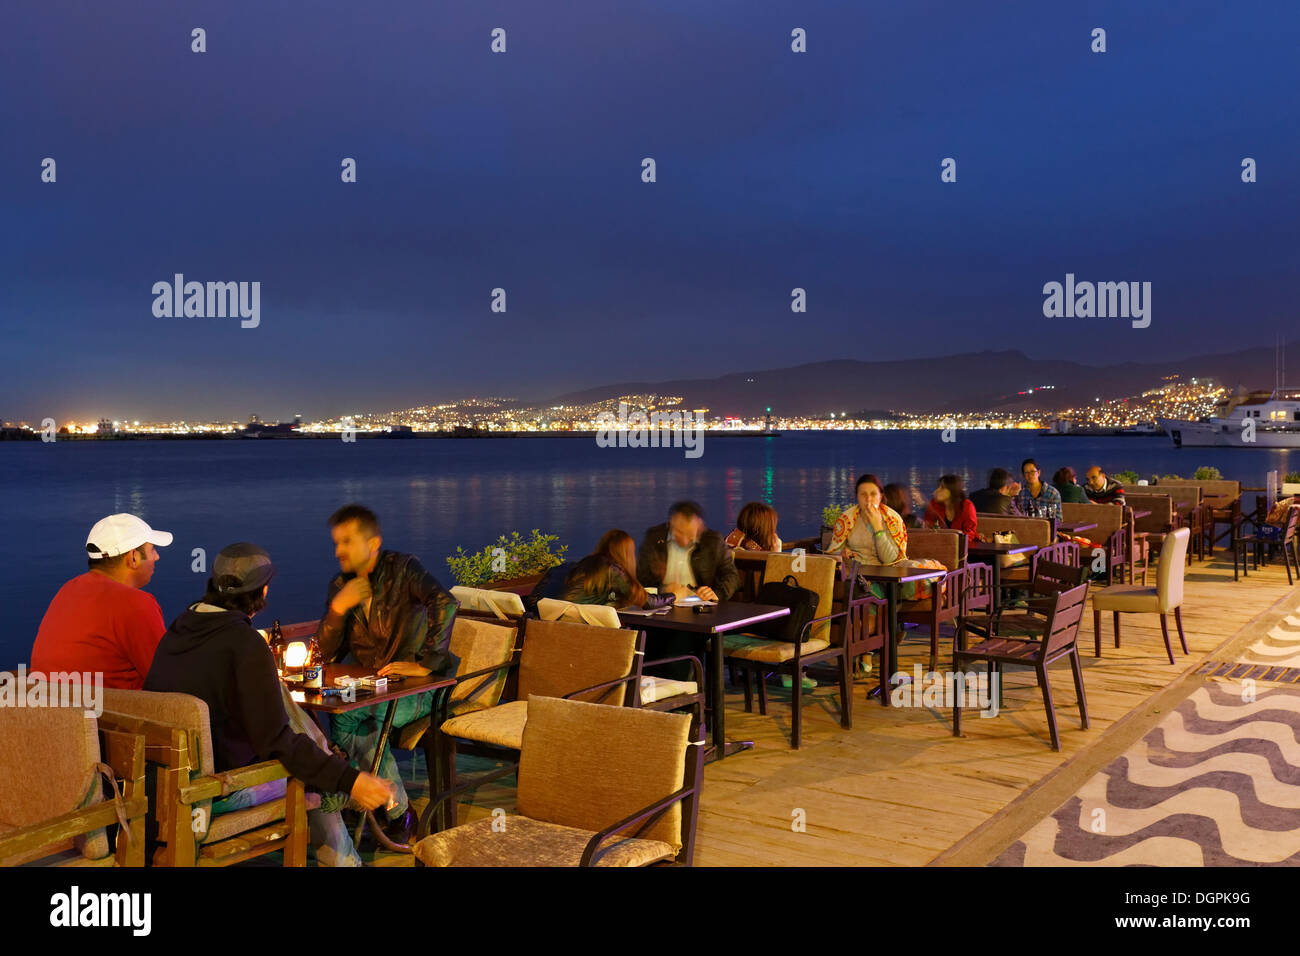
x=218, y=657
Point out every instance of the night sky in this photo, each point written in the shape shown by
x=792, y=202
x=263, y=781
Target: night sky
x=523, y=171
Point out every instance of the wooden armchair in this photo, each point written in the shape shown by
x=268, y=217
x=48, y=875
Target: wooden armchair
x=949, y=597
x=53, y=765
x=1050, y=579
x=598, y=786
x=1058, y=638
x=178, y=744
x=1113, y=535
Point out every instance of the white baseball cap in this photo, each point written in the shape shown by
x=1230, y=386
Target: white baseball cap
x=118, y=534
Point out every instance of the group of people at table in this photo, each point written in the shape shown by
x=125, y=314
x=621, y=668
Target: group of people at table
x=385, y=611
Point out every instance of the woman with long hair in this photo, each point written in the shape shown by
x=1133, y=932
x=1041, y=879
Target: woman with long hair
x=755, y=529
x=608, y=576
x=873, y=533
x=950, y=508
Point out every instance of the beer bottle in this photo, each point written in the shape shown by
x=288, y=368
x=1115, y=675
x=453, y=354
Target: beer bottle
x=313, y=671
x=276, y=640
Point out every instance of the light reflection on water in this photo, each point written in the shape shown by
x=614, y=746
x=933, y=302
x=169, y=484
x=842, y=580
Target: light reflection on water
x=433, y=495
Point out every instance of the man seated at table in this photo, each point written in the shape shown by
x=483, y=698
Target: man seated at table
x=384, y=611
x=102, y=621
x=1102, y=489
x=1037, y=499
x=999, y=498
x=212, y=652
x=683, y=558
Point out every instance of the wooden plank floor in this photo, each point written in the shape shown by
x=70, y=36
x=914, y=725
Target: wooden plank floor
x=899, y=789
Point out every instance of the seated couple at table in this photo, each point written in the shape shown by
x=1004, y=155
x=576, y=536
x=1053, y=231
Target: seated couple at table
x=678, y=559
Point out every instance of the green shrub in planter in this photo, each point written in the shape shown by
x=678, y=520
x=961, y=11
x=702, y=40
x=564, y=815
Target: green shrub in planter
x=1126, y=478
x=1292, y=478
x=1206, y=473
x=518, y=558
x=831, y=514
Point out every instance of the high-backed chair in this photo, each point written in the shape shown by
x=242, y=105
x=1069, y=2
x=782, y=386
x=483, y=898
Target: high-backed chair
x=821, y=643
x=1113, y=535
x=1165, y=597
x=654, y=693
x=558, y=659
x=951, y=596
x=598, y=786
x=1058, y=638
x=1285, y=539
x=485, y=650
x=178, y=743
x=54, y=762
x=1221, y=499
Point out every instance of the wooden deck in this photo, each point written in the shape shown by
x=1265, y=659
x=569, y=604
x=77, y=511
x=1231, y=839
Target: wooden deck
x=899, y=789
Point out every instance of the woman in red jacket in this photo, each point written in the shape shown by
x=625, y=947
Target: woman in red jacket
x=950, y=508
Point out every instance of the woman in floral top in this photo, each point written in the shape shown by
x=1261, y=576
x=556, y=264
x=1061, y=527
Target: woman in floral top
x=873, y=533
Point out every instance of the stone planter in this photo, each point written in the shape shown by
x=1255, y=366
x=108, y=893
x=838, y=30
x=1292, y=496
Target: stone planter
x=1290, y=488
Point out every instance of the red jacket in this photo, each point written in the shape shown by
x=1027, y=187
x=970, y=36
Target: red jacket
x=936, y=516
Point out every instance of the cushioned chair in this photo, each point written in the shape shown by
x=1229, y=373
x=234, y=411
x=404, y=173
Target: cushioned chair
x=1271, y=539
x=822, y=641
x=54, y=762
x=485, y=650
x=1058, y=638
x=503, y=605
x=656, y=693
x=598, y=786
x=558, y=659
x=1166, y=596
x=178, y=742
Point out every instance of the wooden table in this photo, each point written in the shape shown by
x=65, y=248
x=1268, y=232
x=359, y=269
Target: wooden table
x=315, y=702
x=1074, y=527
x=709, y=626
x=892, y=577
x=992, y=551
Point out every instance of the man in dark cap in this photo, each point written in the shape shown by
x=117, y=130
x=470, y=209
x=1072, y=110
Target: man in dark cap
x=213, y=652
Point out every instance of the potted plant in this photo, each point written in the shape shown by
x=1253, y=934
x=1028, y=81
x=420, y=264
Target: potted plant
x=1126, y=478
x=830, y=515
x=1206, y=473
x=1291, y=484
x=510, y=564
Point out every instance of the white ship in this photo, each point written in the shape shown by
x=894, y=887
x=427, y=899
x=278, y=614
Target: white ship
x=1245, y=420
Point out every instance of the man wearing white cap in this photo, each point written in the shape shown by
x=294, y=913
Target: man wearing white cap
x=101, y=621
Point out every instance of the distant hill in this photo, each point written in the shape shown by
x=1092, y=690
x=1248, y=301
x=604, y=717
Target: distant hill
x=983, y=380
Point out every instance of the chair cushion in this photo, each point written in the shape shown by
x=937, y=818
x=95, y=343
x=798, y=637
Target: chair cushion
x=410, y=735
x=47, y=760
x=746, y=648
x=226, y=825
x=661, y=688
x=525, y=842
x=501, y=726
x=1126, y=597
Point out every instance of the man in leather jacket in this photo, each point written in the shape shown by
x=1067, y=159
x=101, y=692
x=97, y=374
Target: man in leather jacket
x=387, y=612
x=683, y=557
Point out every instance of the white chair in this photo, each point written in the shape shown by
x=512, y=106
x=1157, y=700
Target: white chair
x=501, y=604
x=1166, y=596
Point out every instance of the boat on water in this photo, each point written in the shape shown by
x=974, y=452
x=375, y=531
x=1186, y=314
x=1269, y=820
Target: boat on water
x=1258, y=419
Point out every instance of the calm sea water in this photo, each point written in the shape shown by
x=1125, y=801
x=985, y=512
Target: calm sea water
x=432, y=495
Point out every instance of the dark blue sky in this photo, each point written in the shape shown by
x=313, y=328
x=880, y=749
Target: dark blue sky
x=522, y=170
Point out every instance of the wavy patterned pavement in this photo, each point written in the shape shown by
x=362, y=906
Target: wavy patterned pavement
x=1215, y=783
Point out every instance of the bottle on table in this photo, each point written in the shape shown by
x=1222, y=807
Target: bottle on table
x=313, y=671
x=277, y=643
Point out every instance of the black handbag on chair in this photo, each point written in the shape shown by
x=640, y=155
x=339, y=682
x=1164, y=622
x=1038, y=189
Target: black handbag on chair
x=801, y=601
